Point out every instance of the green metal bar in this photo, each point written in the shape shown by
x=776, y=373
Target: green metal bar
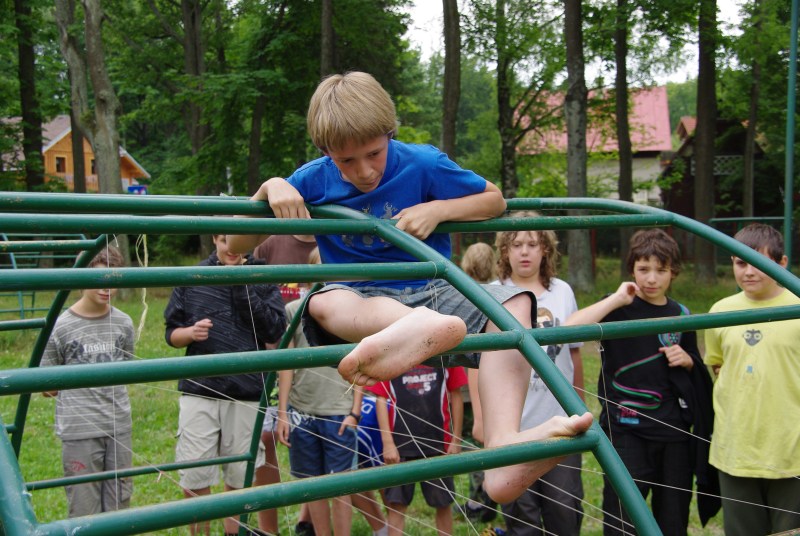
x=348, y=222
x=564, y=392
x=134, y=471
x=21, y=381
x=30, y=246
x=162, y=516
x=766, y=265
x=122, y=204
x=16, y=511
x=172, y=276
x=30, y=323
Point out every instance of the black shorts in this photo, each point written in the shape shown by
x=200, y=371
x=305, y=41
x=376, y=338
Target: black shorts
x=438, y=493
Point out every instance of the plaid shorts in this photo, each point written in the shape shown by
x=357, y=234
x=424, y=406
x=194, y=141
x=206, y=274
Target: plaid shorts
x=438, y=295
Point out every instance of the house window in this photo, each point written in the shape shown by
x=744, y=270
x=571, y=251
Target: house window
x=61, y=164
x=94, y=171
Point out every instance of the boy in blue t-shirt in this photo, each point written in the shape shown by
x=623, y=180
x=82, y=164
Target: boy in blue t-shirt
x=400, y=324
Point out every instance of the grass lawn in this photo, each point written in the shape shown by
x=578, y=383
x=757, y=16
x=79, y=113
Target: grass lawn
x=155, y=412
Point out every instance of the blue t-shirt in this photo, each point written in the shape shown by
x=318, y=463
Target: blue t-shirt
x=414, y=174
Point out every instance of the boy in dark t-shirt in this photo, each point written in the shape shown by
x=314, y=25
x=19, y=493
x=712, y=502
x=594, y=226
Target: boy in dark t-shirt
x=426, y=421
x=653, y=388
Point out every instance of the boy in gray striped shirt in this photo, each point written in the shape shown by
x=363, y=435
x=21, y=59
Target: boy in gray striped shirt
x=94, y=424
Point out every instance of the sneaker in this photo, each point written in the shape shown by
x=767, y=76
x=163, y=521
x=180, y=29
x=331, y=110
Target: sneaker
x=493, y=531
x=477, y=512
x=304, y=528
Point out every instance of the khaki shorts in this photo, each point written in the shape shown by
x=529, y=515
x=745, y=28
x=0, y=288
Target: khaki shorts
x=84, y=456
x=209, y=428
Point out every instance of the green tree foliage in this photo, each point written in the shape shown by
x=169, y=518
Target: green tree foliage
x=682, y=98
x=52, y=93
x=251, y=49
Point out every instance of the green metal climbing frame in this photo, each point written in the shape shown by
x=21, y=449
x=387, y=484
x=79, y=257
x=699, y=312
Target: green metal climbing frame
x=104, y=215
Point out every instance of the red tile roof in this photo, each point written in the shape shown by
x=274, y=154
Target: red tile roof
x=649, y=127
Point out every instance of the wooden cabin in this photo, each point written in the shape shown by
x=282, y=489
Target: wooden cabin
x=58, y=163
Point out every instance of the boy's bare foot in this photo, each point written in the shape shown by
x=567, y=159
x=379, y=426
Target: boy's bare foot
x=409, y=341
x=506, y=484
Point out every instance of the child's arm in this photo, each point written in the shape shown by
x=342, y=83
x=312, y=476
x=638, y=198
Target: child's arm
x=51, y=357
x=577, y=378
x=285, y=378
x=285, y=202
x=597, y=311
x=457, y=415
x=390, y=453
x=354, y=417
x=420, y=220
x=183, y=337
x=262, y=307
x=475, y=400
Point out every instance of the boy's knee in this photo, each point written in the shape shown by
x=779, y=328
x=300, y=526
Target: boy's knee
x=521, y=306
x=319, y=306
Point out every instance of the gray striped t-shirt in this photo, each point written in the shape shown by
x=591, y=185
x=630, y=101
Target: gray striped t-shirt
x=76, y=340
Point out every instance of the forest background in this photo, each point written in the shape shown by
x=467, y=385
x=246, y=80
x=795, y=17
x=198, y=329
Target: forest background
x=210, y=95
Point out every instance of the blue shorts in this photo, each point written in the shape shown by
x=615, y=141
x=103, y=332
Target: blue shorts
x=317, y=448
x=370, y=444
x=438, y=295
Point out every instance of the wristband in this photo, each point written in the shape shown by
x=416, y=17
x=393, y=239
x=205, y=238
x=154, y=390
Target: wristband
x=356, y=417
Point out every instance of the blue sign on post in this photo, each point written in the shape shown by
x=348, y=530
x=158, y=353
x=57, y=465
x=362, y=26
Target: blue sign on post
x=138, y=189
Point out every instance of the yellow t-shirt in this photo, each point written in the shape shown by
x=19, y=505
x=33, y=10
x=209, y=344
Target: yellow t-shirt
x=757, y=393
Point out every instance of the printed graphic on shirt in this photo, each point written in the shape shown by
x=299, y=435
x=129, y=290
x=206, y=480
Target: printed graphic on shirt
x=545, y=319
x=95, y=352
x=753, y=336
x=370, y=240
x=418, y=383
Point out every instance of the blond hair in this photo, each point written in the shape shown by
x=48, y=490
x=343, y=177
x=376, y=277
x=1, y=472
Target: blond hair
x=349, y=108
x=548, y=242
x=478, y=262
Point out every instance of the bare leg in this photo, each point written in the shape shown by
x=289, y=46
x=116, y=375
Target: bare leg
x=342, y=516
x=368, y=505
x=444, y=521
x=392, y=337
x=231, y=524
x=409, y=341
x=268, y=474
x=202, y=527
x=397, y=518
x=320, y=516
x=504, y=377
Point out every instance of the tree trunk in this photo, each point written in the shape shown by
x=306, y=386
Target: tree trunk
x=78, y=161
x=29, y=102
x=106, y=104
x=326, y=66
x=254, y=178
x=748, y=186
x=505, y=111
x=625, y=180
x=705, y=134
x=580, y=271
x=194, y=66
x=254, y=153
x=452, y=76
